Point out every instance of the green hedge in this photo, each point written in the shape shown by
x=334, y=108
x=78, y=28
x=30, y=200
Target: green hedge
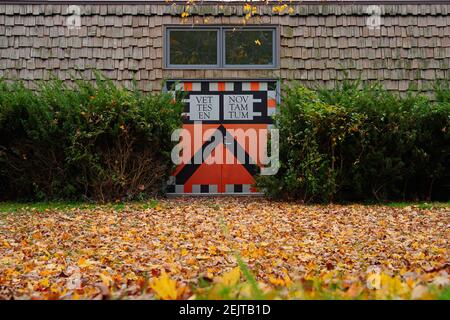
x=360, y=142
x=102, y=142
x=89, y=141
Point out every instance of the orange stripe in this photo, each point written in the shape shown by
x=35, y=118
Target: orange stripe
x=188, y=86
x=254, y=86
x=221, y=86
x=271, y=103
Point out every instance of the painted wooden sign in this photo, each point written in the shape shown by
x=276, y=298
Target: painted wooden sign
x=239, y=107
x=224, y=129
x=203, y=107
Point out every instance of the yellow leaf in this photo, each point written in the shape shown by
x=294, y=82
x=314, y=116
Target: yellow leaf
x=276, y=281
x=84, y=263
x=44, y=283
x=212, y=250
x=184, y=252
x=45, y=273
x=107, y=280
x=257, y=42
x=231, y=278
x=131, y=276
x=164, y=287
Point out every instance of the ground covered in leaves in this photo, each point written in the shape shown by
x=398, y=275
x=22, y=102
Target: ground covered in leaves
x=224, y=248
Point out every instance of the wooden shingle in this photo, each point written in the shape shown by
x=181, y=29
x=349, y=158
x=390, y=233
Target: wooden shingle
x=316, y=42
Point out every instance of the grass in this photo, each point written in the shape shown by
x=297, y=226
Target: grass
x=42, y=206
x=420, y=205
x=152, y=203
x=444, y=294
x=61, y=205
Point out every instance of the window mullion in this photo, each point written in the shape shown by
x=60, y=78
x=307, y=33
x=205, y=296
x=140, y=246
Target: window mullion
x=221, y=48
x=274, y=45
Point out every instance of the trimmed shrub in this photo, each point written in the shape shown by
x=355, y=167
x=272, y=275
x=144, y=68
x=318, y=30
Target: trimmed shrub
x=360, y=142
x=95, y=141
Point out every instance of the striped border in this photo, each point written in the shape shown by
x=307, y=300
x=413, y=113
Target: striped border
x=271, y=102
x=254, y=86
x=196, y=189
x=211, y=189
x=239, y=188
x=221, y=86
x=188, y=86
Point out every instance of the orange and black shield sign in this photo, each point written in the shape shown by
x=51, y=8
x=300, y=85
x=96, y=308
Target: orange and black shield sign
x=224, y=135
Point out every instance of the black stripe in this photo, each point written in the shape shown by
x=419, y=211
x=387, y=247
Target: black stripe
x=237, y=87
x=238, y=149
x=170, y=188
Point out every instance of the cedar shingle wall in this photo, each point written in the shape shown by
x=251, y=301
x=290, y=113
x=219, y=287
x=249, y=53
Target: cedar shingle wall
x=317, y=41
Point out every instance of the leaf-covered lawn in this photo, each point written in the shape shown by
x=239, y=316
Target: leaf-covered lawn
x=224, y=248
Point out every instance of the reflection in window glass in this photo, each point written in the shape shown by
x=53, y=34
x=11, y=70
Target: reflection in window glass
x=188, y=47
x=249, y=47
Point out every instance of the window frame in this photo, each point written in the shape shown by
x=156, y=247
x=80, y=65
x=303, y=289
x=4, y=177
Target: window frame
x=221, y=46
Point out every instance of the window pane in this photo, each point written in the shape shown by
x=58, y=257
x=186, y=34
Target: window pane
x=193, y=47
x=249, y=47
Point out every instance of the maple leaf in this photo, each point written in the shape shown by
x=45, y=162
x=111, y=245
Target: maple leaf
x=84, y=263
x=164, y=287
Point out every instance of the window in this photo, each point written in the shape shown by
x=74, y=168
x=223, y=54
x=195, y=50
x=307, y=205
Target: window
x=189, y=47
x=220, y=47
x=249, y=47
